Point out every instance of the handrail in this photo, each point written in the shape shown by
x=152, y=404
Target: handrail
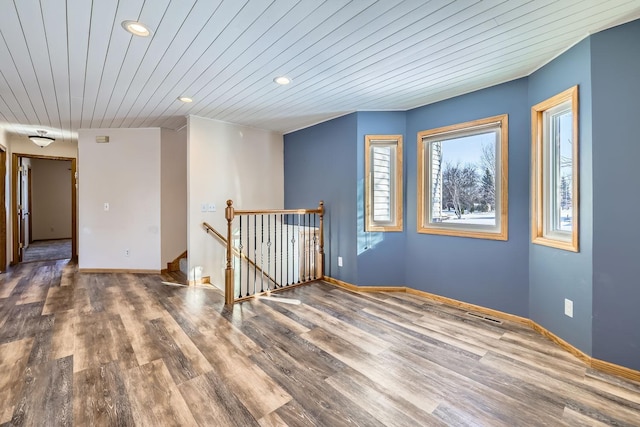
x=277, y=211
x=209, y=228
x=230, y=213
x=216, y=233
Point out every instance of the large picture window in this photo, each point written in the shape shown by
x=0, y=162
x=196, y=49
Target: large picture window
x=383, y=182
x=462, y=179
x=554, y=125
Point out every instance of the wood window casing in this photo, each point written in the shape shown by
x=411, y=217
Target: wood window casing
x=425, y=175
x=540, y=192
x=394, y=221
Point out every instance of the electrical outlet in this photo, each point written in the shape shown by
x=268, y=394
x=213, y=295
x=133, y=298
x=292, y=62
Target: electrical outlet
x=211, y=207
x=568, y=307
x=126, y=252
x=339, y=261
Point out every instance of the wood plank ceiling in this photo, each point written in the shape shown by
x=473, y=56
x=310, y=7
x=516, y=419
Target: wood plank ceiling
x=68, y=64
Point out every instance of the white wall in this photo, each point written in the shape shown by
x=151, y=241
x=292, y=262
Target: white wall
x=173, y=172
x=227, y=161
x=126, y=174
x=22, y=145
x=51, y=199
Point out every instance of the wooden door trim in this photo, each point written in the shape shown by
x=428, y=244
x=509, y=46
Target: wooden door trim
x=14, y=209
x=30, y=205
x=14, y=202
x=3, y=209
x=74, y=211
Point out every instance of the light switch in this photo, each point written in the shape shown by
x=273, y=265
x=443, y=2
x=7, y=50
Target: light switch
x=203, y=207
x=212, y=207
x=106, y=206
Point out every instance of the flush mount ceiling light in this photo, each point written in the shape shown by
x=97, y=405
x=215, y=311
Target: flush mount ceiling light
x=40, y=139
x=185, y=99
x=282, y=80
x=136, y=28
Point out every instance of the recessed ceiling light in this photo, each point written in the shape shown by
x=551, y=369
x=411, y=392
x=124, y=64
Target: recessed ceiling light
x=136, y=28
x=282, y=80
x=185, y=99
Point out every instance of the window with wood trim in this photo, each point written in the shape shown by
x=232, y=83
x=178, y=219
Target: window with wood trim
x=462, y=179
x=554, y=154
x=383, y=182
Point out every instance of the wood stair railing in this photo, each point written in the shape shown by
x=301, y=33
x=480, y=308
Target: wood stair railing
x=209, y=228
x=289, y=242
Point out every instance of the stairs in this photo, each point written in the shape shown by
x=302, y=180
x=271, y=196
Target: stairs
x=184, y=265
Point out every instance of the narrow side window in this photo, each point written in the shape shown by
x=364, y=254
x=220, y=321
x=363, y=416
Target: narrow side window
x=554, y=153
x=383, y=182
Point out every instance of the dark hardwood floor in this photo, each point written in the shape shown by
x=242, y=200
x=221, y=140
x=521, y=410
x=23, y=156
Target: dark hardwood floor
x=123, y=349
x=47, y=250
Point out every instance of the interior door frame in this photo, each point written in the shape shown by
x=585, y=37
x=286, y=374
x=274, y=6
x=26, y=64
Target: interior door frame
x=14, y=203
x=3, y=210
x=30, y=205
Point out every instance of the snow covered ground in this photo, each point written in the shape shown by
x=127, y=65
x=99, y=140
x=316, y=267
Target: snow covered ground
x=476, y=218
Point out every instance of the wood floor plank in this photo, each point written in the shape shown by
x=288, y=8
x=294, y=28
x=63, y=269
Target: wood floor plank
x=466, y=379
x=58, y=299
x=7, y=284
x=319, y=399
x=144, y=348
x=100, y=397
x=209, y=322
x=272, y=420
x=366, y=341
x=259, y=393
x=576, y=419
x=100, y=339
x=41, y=350
x=13, y=360
x=383, y=403
x=197, y=360
x=179, y=365
x=155, y=398
x=576, y=395
x=47, y=395
x=63, y=338
x=213, y=402
x=24, y=322
x=399, y=378
x=268, y=335
x=612, y=386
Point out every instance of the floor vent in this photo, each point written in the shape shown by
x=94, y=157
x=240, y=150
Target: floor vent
x=483, y=317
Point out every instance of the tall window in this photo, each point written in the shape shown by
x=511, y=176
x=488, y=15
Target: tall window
x=554, y=125
x=462, y=179
x=383, y=182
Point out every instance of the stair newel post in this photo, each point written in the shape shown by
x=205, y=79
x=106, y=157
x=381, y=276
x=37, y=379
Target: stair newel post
x=228, y=272
x=320, y=249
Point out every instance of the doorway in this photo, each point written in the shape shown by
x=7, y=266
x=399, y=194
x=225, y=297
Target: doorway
x=42, y=208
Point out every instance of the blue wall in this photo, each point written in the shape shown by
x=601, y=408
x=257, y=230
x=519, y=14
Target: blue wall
x=379, y=249
x=490, y=273
x=326, y=162
x=556, y=274
x=320, y=164
x=615, y=71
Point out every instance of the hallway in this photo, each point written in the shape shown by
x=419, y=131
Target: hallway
x=48, y=250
